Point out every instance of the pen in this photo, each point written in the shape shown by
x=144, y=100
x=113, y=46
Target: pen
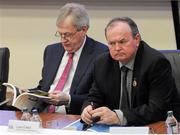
x=96, y=118
x=86, y=126
x=92, y=104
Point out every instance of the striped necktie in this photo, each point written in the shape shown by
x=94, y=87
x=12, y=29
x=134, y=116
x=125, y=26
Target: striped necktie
x=63, y=79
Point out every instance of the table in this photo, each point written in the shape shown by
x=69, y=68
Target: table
x=57, y=120
x=158, y=127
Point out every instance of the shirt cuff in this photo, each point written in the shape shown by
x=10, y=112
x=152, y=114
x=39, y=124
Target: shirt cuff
x=68, y=104
x=121, y=117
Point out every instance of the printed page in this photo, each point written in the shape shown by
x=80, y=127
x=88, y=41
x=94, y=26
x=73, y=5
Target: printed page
x=14, y=90
x=29, y=101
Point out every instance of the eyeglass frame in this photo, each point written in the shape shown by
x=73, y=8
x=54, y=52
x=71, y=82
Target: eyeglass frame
x=66, y=35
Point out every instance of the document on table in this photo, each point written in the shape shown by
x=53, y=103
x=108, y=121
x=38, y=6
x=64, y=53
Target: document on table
x=77, y=125
x=113, y=129
x=43, y=131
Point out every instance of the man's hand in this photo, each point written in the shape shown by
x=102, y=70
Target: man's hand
x=58, y=98
x=86, y=115
x=106, y=116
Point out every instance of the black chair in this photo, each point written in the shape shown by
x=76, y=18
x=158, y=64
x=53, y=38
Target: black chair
x=174, y=58
x=4, y=71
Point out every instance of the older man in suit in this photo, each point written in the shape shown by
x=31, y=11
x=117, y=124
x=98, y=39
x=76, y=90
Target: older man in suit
x=72, y=24
x=134, y=85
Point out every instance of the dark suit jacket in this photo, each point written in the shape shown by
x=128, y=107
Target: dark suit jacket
x=82, y=79
x=150, y=97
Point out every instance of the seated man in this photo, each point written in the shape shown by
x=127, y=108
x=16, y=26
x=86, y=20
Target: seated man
x=68, y=65
x=133, y=83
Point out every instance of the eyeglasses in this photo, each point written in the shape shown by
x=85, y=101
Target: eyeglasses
x=66, y=35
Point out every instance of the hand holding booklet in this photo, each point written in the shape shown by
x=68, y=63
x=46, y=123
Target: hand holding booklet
x=30, y=99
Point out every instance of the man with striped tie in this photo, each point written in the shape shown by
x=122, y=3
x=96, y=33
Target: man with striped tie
x=68, y=65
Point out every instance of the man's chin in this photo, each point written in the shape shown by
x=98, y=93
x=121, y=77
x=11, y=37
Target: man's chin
x=117, y=58
x=123, y=61
x=69, y=50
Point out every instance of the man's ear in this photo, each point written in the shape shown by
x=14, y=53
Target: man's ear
x=85, y=28
x=138, y=39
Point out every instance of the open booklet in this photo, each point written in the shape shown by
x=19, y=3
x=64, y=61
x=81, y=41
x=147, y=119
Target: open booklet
x=77, y=125
x=31, y=99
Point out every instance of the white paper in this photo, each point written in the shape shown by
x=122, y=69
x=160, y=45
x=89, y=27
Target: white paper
x=18, y=125
x=4, y=131
x=129, y=130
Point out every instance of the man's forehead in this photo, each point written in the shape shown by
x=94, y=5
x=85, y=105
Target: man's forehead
x=119, y=25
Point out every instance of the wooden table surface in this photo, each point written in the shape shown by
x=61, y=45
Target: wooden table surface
x=56, y=120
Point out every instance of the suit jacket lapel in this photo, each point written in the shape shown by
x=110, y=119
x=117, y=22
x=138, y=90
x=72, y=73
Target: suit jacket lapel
x=136, y=72
x=116, y=80
x=84, y=61
x=54, y=64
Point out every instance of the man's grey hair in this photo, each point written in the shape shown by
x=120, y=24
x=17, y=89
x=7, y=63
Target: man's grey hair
x=78, y=14
x=127, y=20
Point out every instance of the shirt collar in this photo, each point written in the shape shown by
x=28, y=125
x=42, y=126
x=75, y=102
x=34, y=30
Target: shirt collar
x=78, y=52
x=129, y=65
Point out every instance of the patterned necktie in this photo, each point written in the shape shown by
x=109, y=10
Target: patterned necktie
x=63, y=79
x=124, y=99
x=64, y=76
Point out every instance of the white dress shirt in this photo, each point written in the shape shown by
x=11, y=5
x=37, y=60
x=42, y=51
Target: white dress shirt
x=67, y=86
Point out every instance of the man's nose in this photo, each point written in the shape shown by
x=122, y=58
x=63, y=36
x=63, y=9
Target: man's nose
x=117, y=46
x=63, y=40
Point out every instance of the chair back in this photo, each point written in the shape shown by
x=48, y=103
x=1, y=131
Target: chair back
x=4, y=71
x=174, y=58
